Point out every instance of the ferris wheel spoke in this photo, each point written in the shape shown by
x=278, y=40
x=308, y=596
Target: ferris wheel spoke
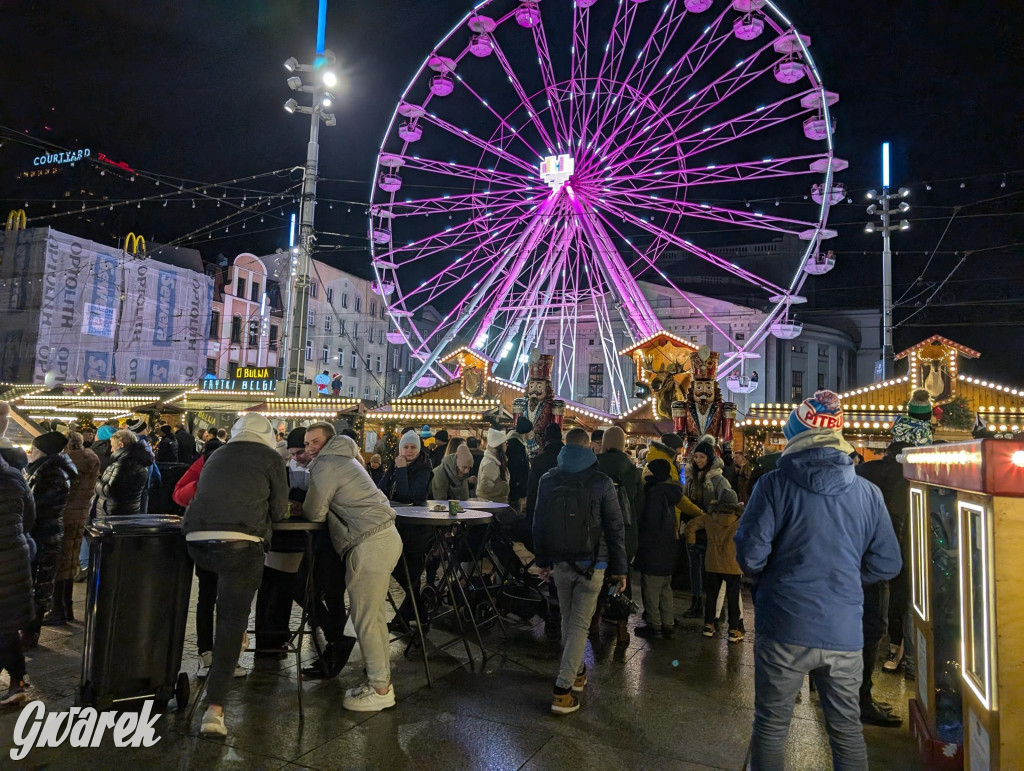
x=468, y=173
x=551, y=87
x=451, y=204
x=689, y=246
x=578, y=68
x=527, y=104
x=668, y=176
x=706, y=211
x=483, y=144
x=506, y=131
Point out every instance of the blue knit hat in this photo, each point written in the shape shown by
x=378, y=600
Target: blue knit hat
x=821, y=411
x=105, y=432
x=425, y=432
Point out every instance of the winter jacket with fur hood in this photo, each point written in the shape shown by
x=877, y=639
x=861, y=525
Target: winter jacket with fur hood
x=342, y=493
x=705, y=488
x=720, y=525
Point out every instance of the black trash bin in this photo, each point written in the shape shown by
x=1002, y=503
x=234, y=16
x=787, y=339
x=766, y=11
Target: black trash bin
x=140, y=579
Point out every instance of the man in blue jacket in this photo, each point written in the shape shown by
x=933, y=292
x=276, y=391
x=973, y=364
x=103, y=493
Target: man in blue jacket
x=812, y=535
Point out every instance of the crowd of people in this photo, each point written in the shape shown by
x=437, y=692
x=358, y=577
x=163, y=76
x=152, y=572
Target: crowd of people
x=815, y=539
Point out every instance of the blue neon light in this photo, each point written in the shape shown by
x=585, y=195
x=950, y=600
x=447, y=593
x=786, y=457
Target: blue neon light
x=321, y=28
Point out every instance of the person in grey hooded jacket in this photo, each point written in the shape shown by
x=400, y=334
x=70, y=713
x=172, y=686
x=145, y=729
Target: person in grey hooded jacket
x=362, y=527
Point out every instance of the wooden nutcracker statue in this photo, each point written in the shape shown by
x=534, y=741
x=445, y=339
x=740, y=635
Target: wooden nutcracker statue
x=704, y=411
x=539, y=405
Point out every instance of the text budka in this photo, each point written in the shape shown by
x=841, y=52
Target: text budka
x=81, y=728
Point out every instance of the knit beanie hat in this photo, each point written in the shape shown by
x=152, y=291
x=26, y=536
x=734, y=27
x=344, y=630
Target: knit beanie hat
x=706, y=445
x=660, y=470
x=553, y=433
x=375, y=458
x=258, y=428
x=463, y=457
x=425, y=432
x=105, y=432
x=50, y=443
x=728, y=497
x=920, y=405
x=137, y=425
x=495, y=438
x=672, y=441
x=614, y=439
x=411, y=438
x=821, y=412
x=166, y=430
x=296, y=438
x=441, y=437
x=524, y=425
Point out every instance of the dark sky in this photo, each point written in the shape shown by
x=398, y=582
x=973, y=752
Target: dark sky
x=194, y=90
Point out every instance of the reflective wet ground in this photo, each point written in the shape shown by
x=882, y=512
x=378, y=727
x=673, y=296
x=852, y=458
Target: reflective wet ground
x=685, y=703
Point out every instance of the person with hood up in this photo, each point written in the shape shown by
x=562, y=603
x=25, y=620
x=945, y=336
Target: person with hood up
x=167, y=449
x=658, y=533
x=243, y=487
x=361, y=523
x=451, y=478
x=48, y=474
x=812, y=535
x=518, y=463
x=616, y=464
x=721, y=523
x=492, y=483
x=578, y=539
x=17, y=516
x=705, y=485
x=76, y=517
x=120, y=488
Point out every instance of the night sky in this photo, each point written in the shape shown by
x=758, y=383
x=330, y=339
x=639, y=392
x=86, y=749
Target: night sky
x=193, y=90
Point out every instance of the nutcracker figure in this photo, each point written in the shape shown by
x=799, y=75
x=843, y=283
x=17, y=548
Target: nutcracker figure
x=539, y=405
x=704, y=411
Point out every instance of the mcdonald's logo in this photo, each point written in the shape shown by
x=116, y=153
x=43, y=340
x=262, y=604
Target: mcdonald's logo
x=134, y=244
x=16, y=220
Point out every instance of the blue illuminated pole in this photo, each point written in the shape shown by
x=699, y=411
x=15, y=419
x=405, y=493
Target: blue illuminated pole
x=888, y=352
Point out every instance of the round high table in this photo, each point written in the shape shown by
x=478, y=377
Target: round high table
x=453, y=577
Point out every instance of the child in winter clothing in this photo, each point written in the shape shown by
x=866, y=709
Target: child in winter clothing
x=657, y=547
x=720, y=524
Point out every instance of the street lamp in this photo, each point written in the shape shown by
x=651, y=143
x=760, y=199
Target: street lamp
x=883, y=209
x=298, y=295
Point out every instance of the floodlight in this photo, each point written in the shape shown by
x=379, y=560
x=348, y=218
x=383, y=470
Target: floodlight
x=291, y=106
x=291, y=64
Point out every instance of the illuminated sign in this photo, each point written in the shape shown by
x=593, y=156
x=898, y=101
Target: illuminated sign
x=57, y=159
x=983, y=466
x=555, y=170
x=245, y=379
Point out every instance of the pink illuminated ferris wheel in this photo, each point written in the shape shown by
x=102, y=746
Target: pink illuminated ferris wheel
x=547, y=155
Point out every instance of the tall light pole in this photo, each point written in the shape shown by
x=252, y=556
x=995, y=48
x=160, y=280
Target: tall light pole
x=884, y=212
x=296, y=332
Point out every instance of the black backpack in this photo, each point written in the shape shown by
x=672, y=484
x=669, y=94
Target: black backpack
x=572, y=529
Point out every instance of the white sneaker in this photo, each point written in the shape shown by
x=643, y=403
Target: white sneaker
x=240, y=671
x=213, y=723
x=892, y=662
x=357, y=690
x=206, y=660
x=368, y=700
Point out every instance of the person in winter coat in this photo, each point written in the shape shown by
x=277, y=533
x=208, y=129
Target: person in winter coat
x=376, y=468
x=577, y=486
x=518, y=463
x=450, y=481
x=185, y=489
x=545, y=460
x=186, y=445
x=362, y=527
x=76, y=517
x=167, y=449
x=17, y=517
x=492, y=483
x=242, y=489
x=14, y=455
x=656, y=549
x=440, y=448
x=49, y=473
x=720, y=524
x=705, y=485
x=408, y=479
x=120, y=488
x=629, y=487
x=813, y=534
x=101, y=447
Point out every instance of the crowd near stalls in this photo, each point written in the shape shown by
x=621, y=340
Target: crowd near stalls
x=592, y=518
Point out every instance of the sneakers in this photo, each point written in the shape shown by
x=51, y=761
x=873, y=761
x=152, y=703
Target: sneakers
x=709, y=630
x=16, y=694
x=580, y=682
x=213, y=723
x=735, y=635
x=564, y=703
x=366, y=699
x=206, y=660
x=892, y=663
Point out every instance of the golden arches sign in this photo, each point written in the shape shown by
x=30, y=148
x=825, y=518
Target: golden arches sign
x=134, y=244
x=16, y=220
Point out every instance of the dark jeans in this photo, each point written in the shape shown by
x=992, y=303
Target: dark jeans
x=328, y=587
x=416, y=542
x=712, y=586
x=278, y=590
x=238, y=566
x=874, y=631
x=695, y=554
x=11, y=657
x=899, y=599
x=204, y=608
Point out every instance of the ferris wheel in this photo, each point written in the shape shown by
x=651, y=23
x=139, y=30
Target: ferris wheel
x=548, y=155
